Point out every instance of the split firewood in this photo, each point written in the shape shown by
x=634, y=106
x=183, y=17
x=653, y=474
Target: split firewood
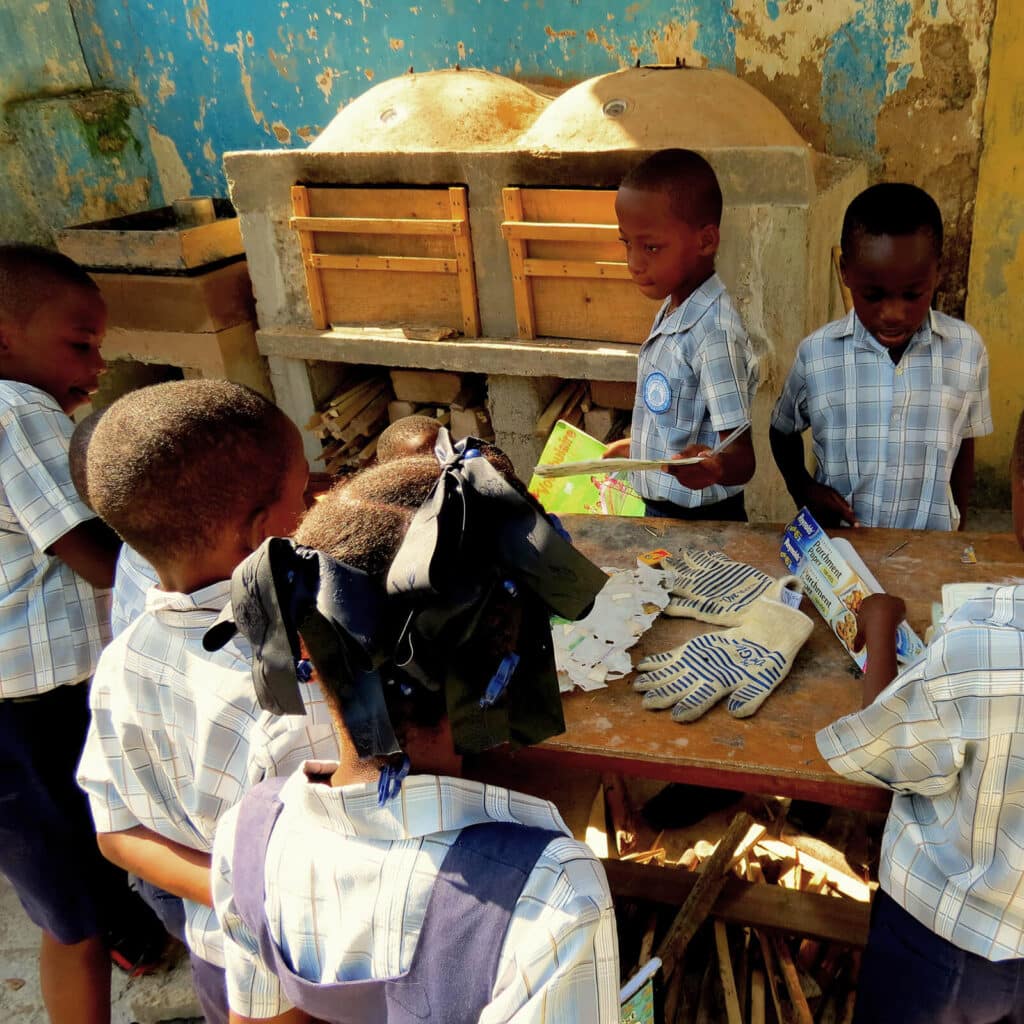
x=757, y=995
x=698, y=904
x=673, y=996
x=782, y=1012
x=725, y=972
x=709, y=1009
x=621, y=812
x=647, y=940
x=368, y=419
x=848, y=886
x=797, y=999
x=555, y=408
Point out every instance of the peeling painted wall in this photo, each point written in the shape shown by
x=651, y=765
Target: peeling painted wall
x=69, y=152
x=898, y=83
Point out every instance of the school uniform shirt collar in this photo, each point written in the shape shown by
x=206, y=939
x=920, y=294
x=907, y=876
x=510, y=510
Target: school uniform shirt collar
x=425, y=805
x=689, y=312
x=1004, y=608
x=210, y=600
x=863, y=338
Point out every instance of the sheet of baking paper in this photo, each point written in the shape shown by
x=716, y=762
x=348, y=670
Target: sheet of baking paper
x=594, y=650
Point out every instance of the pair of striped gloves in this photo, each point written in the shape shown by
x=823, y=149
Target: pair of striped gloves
x=745, y=662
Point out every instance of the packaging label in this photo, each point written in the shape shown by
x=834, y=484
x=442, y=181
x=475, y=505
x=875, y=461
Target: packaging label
x=835, y=587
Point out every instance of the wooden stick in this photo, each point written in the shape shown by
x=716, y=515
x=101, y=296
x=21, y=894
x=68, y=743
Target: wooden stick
x=702, y=897
x=522, y=294
x=621, y=812
x=770, y=969
x=732, y=999
x=797, y=999
x=757, y=996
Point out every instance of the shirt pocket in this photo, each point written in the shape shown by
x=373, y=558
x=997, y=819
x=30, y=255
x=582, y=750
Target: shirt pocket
x=951, y=412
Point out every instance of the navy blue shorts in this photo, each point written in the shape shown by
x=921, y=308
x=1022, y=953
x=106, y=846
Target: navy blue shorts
x=910, y=975
x=729, y=510
x=47, y=840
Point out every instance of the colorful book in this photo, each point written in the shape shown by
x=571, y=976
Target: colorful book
x=594, y=493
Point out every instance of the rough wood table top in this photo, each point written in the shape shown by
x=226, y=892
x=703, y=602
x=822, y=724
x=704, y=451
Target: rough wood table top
x=773, y=752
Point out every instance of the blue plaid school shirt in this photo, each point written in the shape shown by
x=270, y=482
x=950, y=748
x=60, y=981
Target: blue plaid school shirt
x=696, y=377
x=53, y=623
x=133, y=578
x=177, y=737
x=348, y=884
x=947, y=737
x=886, y=436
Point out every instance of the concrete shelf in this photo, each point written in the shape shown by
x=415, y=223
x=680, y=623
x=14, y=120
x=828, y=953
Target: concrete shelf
x=515, y=357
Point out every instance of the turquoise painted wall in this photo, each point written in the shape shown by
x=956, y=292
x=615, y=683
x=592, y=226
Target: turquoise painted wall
x=898, y=83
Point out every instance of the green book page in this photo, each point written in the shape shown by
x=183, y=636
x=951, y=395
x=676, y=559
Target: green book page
x=597, y=494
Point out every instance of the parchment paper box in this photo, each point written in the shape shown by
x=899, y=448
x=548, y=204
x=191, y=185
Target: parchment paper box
x=836, y=581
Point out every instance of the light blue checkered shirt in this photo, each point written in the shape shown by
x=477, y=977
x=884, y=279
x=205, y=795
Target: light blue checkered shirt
x=53, y=624
x=133, y=578
x=886, y=436
x=177, y=736
x=947, y=736
x=696, y=377
x=348, y=884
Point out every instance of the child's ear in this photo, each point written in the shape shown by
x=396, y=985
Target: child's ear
x=709, y=239
x=8, y=330
x=842, y=268
x=255, y=531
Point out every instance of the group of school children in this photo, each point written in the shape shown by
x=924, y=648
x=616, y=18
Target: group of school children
x=269, y=744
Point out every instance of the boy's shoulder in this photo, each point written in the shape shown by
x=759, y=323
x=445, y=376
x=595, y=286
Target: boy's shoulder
x=824, y=336
x=14, y=394
x=951, y=329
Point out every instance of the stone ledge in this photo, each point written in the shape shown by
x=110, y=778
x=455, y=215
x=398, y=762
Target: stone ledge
x=516, y=357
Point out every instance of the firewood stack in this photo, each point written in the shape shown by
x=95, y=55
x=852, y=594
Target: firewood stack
x=722, y=961
x=351, y=421
x=600, y=408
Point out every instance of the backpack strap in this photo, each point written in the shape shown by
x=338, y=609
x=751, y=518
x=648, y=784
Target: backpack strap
x=258, y=812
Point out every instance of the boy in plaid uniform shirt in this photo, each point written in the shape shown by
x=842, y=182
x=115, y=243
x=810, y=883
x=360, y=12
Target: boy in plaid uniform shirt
x=895, y=392
x=56, y=567
x=697, y=371
x=947, y=737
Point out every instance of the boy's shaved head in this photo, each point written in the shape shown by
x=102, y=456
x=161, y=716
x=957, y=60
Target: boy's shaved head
x=78, y=453
x=29, y=274
x=892, y=208
x=411, y=435
x=686, y=178
x=171, y=466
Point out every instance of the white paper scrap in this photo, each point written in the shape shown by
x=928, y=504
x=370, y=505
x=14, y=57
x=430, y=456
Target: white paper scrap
x=592, y=651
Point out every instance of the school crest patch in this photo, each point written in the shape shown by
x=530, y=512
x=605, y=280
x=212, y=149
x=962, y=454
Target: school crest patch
x=657, y=392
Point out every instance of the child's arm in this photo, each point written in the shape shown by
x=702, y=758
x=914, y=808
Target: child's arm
x=617, y=449
x=828, y=506
x=173, y=867
x=961, y=480
x=877, y=619
x=90, y=549
x=731, y=467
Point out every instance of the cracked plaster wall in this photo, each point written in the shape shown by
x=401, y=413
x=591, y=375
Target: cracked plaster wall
x=897, y=83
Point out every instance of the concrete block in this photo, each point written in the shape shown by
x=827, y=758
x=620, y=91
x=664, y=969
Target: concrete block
x=613, y=394
x=438, y=386
x=599, y=422
x=399, y=410
x=516, y=402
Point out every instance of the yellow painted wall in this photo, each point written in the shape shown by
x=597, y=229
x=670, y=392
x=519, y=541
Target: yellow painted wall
x=995, y=295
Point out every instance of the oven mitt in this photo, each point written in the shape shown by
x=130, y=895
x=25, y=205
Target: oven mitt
x=711, y=587
x=746, y=662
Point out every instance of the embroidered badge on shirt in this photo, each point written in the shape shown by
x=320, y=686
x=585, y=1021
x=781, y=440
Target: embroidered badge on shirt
x=657, y=393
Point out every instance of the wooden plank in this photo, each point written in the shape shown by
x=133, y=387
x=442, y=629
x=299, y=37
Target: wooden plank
x=702, y=897
x=787, y=969
x=732, y=999
x=372, y=298
x=314, y=284
x=521, y=291
x=597, y=308
x=757, y=994
x=163, y=302
x=464, y=257
x=373, y=225
x=576, y=268
x=398, y=264
x=759, y=906
x=572, y=206
x=537, y=230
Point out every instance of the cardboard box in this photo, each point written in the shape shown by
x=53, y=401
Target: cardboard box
x=835, y=586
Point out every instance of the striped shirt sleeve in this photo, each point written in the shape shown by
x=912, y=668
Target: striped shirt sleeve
x=790, y=413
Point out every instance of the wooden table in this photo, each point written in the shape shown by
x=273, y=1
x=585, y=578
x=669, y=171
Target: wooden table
x=773, y=752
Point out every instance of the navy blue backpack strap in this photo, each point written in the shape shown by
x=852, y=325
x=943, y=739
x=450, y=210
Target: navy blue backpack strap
x=455, y=964
x=258, y=812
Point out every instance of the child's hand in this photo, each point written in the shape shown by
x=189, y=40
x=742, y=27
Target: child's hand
x=828, y=506
x=701, y=474
x=617, y=449
x=877, y=619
